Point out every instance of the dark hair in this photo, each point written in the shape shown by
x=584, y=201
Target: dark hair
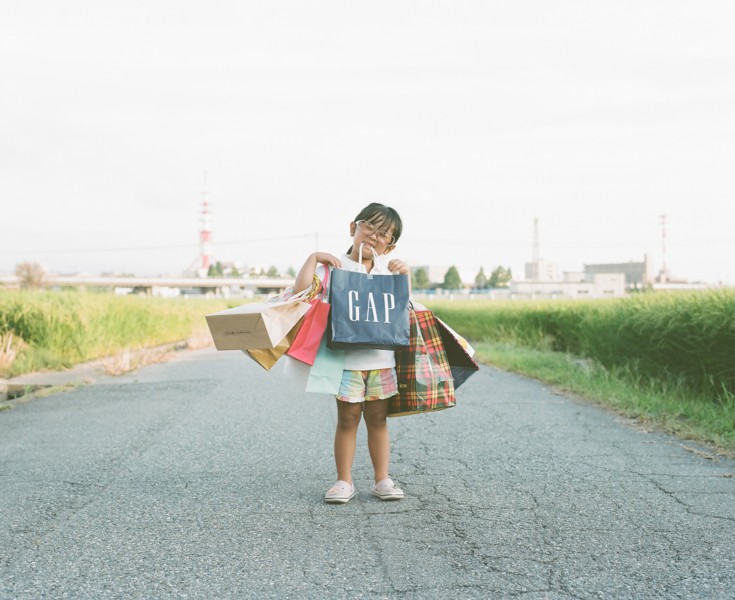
x=379, y=214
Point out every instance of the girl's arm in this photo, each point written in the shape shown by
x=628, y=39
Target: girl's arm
x=305, y=276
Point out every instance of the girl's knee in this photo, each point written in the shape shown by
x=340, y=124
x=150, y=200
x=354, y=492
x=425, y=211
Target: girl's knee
x=348, y=417
x=375, y=416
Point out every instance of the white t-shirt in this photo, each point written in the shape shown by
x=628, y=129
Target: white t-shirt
x=369, y=359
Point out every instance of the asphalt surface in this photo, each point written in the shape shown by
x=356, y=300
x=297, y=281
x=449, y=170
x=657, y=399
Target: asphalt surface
x=204, y=478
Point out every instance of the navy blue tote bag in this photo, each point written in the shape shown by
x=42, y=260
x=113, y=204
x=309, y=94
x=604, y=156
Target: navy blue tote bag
x=368, y=311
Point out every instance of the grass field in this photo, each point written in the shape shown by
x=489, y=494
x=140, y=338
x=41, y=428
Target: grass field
x=668, y=359
x=687, y=337
x=53, y=330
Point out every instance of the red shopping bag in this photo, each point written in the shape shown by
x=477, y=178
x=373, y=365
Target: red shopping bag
x=306, y=344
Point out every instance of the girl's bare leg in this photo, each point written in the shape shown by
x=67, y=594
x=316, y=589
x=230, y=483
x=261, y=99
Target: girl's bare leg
x=378, y=437
x=345, y=438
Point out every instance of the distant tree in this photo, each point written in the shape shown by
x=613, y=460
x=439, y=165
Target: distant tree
x=452, y=280
x=273, y=272
x=420, y=280
x=235, y=272
x=216, y=270
x=291, y=272
x=481, y=280
x=30, y=275
x=500, y=277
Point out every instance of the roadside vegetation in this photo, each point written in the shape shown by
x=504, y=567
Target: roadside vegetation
x=667, y=359
x=54, y=330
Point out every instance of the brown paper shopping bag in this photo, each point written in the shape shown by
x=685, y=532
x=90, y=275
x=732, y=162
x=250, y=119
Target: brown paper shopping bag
x=267, y=357
x=256, y=325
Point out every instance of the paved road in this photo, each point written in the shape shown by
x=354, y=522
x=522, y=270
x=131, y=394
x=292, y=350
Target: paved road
x=203, y=478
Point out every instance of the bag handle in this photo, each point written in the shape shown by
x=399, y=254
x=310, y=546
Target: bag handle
x=376, y=258
x=289, y=296
x=359, y=259
x=322, y=293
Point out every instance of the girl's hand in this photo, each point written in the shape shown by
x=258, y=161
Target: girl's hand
x=305, y=277
x=398, y=266
x=327, y=259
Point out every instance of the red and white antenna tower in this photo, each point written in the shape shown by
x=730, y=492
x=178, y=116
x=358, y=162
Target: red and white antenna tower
x=205, y=233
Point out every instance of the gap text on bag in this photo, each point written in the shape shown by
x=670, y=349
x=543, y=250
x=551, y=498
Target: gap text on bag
x=371, y=310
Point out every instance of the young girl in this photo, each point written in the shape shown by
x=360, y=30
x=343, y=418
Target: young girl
x=369, y=378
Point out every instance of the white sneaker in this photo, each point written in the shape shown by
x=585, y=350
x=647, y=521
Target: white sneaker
x=340, y=493
x=387, y=490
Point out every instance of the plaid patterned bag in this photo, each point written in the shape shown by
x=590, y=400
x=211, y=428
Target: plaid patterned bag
x=424, y=377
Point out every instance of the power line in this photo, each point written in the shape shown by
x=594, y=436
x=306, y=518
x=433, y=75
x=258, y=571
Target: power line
x=571, y=243
x=148, y=248
x=454, y=243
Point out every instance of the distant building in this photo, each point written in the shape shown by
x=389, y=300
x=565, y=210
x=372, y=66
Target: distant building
x=574, y=285
x=539, y=270
x=682, y=286
x=637, y=274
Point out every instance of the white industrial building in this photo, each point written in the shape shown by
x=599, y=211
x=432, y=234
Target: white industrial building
x=573, y=285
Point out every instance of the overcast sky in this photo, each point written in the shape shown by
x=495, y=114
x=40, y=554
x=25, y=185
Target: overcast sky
x=469, y=118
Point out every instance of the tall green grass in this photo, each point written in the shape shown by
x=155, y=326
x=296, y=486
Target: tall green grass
x=686, y=337
x=59, y=329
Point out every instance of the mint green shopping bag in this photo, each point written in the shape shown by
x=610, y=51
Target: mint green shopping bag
x=325, y=375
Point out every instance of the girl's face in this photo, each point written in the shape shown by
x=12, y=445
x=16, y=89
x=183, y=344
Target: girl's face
x=375, y=235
